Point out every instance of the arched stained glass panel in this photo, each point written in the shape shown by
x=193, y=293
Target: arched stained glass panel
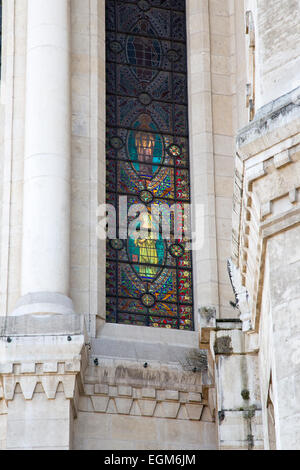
x=149, y=279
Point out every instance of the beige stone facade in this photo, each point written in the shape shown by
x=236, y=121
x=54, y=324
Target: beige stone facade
x=68, y=379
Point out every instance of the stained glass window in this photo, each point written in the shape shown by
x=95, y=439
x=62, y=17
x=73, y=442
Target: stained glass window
x=149, y=280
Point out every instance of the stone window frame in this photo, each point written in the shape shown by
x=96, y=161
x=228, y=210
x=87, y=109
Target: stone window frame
x=201, y=147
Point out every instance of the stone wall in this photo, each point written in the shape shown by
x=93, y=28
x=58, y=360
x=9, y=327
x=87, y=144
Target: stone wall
x=13, y=72
x=266, y=249
x=131, y=417
x=284, y=268
x=279, y=48
x=130, y=387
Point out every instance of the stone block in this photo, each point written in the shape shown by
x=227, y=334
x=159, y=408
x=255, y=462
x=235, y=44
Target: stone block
x=183, y=396
x=28, y=367
x=134, y=428
x=28, y=384
x=89, y=389
x=235, y=426
x=172, y=395
x=125, y=391
x=167, y=410
x=148, y=393
x=182, y=413
x=282, y=159
x=135, y=409
x=207, y=415
x=113, y=391
x=147, y=407
x=85, y=405
x=194, y=397
x=68, y=382
x=50, y=384
x=123, y=405
x=9, y=384
x=101, y=389
x=111, y=409
x=160, y=395
x=194, y=411
x=100, y=404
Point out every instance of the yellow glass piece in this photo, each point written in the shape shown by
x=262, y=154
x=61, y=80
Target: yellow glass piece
x=148, y=251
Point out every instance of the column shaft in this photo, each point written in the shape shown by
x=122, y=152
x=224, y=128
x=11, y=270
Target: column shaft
x=47, y=164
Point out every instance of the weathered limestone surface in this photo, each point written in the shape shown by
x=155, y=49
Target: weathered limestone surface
x=279, y=51
x=126, y=405
x=239, y=408
x=266, y=249
x=234, y=382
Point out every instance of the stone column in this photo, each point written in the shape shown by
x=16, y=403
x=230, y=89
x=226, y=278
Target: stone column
x=202, y=157
x=46, y=211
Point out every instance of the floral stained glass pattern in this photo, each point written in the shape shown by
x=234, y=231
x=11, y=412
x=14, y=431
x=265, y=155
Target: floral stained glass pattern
x=149, y=279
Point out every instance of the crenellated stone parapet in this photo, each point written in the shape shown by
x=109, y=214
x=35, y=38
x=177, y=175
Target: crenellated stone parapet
x=42, y=361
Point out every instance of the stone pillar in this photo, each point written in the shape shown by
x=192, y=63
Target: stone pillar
x=238, y=396
x=46, y=210
x=202, y=158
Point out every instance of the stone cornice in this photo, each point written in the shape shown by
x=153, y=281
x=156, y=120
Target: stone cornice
x=275, y=122
x=147, y=389
x=148, y=402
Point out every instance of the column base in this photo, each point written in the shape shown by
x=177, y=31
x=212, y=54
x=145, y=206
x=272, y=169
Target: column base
x=44, y=303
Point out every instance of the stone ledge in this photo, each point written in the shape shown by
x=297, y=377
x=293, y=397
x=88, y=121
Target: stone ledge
x=274, y=122
x=29, y=353
x=42, y=325
x=126, y=359
x=28, y=385
x=46, y=350
x=116, y=373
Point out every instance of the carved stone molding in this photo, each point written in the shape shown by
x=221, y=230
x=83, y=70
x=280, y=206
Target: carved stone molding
x=33, y=358
x=148, y=402
x=28, y=384
x=149, y=389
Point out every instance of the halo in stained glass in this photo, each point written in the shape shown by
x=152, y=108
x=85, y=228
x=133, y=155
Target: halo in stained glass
x=148, y=300
x=145, y=147
x=116, y=142
x=117, y=244
x=146, y=197
x=144, y=5
x=172, y=55
x=145, y=99
x=176, y=250
x=174, y=150
x=115, y=47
